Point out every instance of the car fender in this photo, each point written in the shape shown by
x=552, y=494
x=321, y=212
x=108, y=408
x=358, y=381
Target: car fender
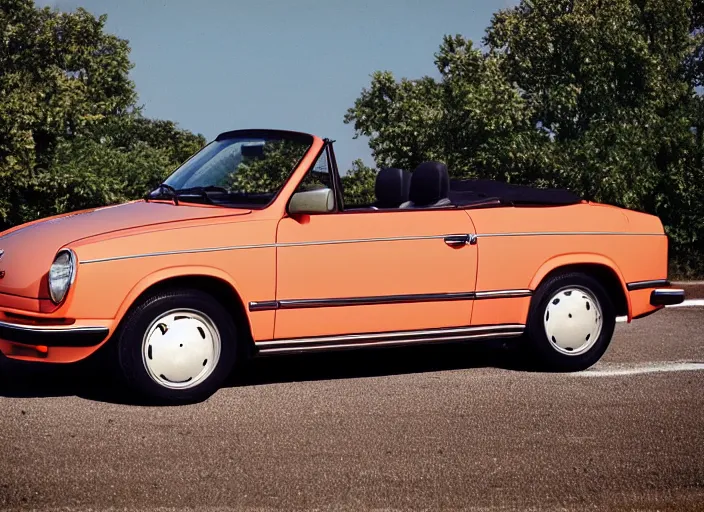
x=170, y=273
x=564, y=260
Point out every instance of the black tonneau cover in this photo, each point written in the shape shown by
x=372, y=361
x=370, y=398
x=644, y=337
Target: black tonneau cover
x=467, y=192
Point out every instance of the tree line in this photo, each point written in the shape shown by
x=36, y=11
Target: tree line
x=603, y=97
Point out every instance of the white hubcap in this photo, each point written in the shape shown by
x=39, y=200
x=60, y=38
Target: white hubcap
x=572, y=320
x=181, y=349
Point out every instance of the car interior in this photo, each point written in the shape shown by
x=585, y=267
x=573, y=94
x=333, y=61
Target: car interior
x=391, y=188
x=429, y=186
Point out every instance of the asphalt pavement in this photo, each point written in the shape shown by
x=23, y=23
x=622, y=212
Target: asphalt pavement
x=458, y=427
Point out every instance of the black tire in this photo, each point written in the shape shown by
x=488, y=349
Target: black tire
x=543, y=351
x=130, y=338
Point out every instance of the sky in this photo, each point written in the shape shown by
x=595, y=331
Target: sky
x=219, y=65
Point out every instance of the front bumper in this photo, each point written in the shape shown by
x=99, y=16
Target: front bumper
x=666, y=297
x=60, y=336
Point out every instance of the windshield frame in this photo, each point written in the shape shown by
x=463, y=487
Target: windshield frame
x=270, y=134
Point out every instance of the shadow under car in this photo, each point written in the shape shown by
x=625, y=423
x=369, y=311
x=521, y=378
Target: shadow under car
x=89, y=380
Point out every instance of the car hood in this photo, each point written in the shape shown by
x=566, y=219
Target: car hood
x=29, y=249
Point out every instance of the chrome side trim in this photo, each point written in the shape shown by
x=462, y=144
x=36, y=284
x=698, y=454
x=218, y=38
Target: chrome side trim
x=502, y=294
x=265, y=305
x=451, y=331
x=280, y=350
x=567, y=233
x=184, y=251
x=266, y=246
x=642, y=285
x=389, y=339
x=472, y=238
x=370, y=301
x=270, y=305
x=362, y=240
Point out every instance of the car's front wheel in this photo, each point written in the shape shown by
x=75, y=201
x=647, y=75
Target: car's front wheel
x=571, y=322
x=177, y=346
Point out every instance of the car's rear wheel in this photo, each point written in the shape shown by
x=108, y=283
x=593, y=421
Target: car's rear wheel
x=177, y=346
x=571, y=322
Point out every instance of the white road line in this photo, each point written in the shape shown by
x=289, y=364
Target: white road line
x=689, y=303
x=692, y=303
x=616, y=370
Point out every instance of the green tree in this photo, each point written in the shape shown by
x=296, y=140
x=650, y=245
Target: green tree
x=598, y=96
x=472, y=118
x=358, y=185
x=71, y=134
x=267, y=173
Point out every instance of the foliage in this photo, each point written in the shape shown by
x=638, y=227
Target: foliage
x=71, y=134
x=358, y=185
x=86, y=173
x=268, y=172
x=596, y=96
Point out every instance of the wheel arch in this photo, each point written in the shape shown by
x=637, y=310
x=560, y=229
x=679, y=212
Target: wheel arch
x=207, y=279
x=596, y=265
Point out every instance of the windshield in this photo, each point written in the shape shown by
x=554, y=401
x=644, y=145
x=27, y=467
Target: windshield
x=238, y=170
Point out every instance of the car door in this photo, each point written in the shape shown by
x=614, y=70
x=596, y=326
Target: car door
x=374, y=271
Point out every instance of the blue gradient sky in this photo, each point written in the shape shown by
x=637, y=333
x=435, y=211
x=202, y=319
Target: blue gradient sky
x=217, y=65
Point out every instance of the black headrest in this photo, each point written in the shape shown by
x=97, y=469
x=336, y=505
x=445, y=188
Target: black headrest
x=392, y=187
x=430, y=183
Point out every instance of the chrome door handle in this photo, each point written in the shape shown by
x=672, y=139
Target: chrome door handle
x=457, y=240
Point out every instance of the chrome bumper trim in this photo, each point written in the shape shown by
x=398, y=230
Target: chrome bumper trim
x=666, y=297
x=59, y=336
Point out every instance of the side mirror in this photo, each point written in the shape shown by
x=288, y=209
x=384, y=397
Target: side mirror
x=312, y=201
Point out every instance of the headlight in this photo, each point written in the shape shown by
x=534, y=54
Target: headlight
x=61, y=275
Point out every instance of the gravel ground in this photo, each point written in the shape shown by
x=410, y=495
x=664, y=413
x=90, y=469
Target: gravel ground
x=442, y=427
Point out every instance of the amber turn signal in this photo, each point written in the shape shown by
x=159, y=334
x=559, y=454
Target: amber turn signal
x=39, y=351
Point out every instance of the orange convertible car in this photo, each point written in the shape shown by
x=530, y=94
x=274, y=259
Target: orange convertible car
x=248, y=248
